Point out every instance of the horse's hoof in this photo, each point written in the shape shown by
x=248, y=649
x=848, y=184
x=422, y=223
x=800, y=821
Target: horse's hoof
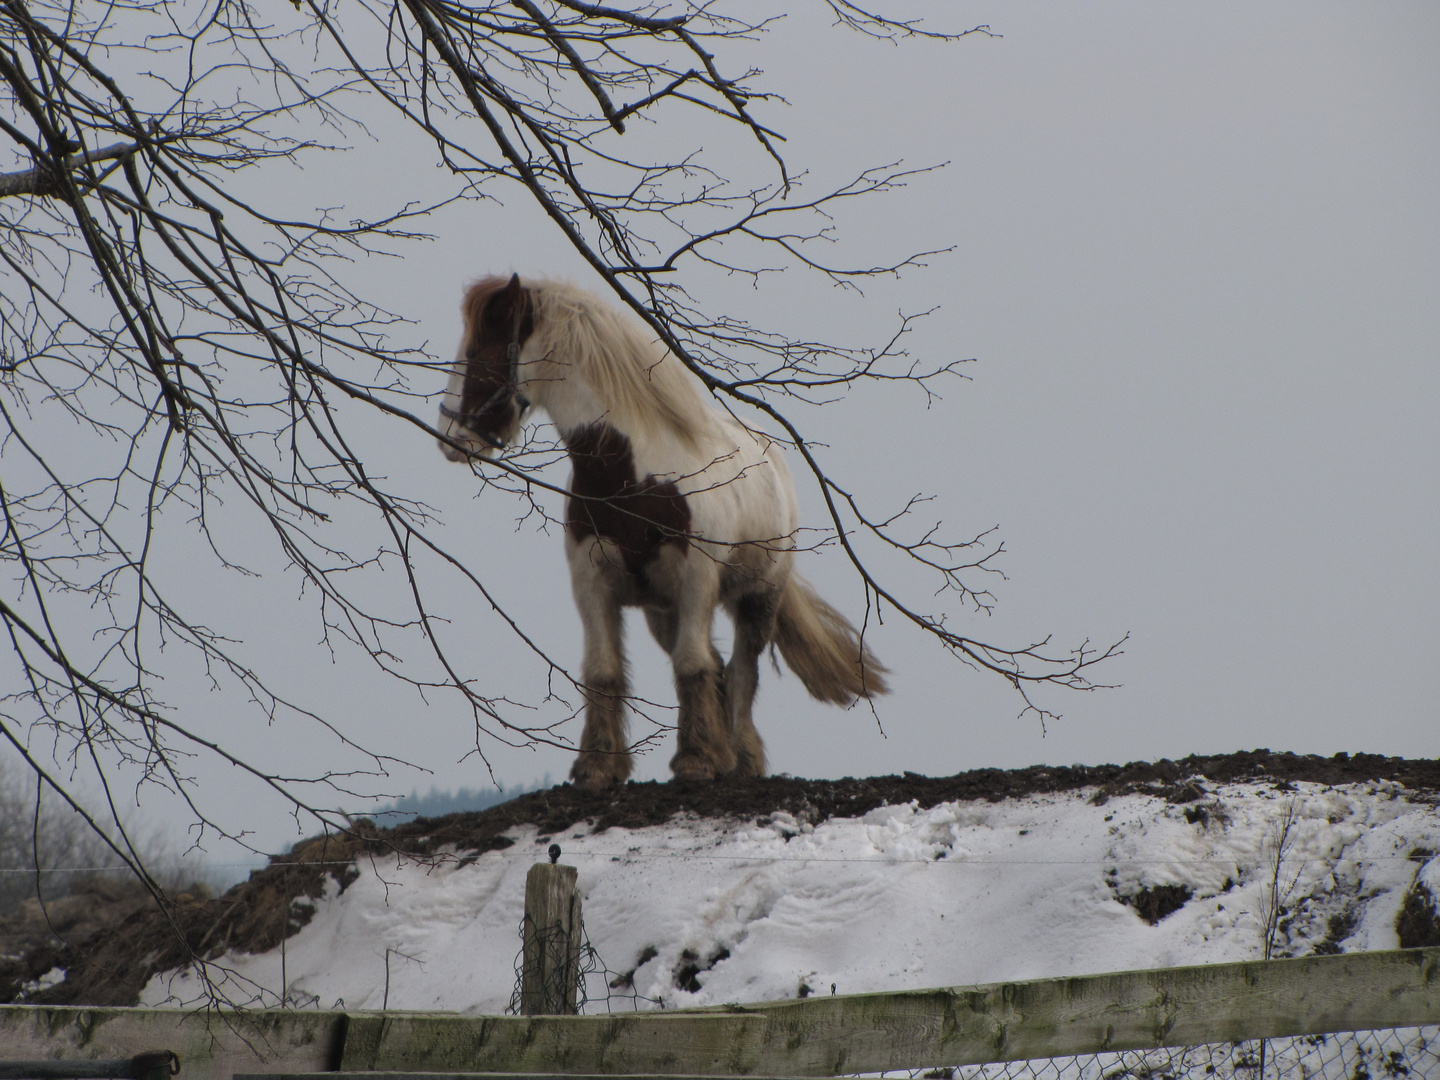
x=594, y=777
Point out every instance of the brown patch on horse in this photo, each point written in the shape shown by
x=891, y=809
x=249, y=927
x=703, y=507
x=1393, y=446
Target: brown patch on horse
x=608, y=500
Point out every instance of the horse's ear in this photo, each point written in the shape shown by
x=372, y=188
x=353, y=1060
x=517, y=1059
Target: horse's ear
x=507, y=301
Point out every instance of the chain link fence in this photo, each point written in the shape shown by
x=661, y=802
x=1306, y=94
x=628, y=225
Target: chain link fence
x=1409, y=1053
x=598, y=988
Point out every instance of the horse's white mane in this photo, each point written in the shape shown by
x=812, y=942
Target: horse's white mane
x=636, y=378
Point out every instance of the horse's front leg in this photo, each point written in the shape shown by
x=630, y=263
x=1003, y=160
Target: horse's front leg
x=754, y=617
x=704, y=750
x=604, y=745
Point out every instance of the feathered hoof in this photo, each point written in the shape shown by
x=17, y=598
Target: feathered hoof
x=597, y=772
x=689, y=768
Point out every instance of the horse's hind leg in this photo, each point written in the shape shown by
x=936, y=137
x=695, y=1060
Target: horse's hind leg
x=604, y=745
x=754, y=616
x=704, y=750
x=665, y=628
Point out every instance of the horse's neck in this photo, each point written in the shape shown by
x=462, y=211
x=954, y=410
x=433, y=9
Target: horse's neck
x=587, y=426
x=578, y=410
x=570, y=403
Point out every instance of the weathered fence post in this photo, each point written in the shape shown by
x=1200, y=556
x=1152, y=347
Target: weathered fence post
x=550, y=967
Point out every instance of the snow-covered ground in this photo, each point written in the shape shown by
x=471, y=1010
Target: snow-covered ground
x=900, y=898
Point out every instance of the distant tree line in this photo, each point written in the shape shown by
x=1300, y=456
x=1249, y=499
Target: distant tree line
x=439, y=803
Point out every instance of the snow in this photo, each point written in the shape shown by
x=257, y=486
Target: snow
x=901, y=898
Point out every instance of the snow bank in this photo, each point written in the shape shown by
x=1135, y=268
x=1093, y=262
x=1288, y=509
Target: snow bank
x=702, y=912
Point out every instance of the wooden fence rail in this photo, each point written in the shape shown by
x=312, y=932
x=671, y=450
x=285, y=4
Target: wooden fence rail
x=821, y=1036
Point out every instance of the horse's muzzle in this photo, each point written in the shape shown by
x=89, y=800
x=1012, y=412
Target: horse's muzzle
x=468, y=447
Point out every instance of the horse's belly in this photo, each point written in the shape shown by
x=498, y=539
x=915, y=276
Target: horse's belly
x=747, y=521
x=654, y=582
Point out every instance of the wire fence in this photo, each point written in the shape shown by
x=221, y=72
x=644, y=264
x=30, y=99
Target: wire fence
x=598, y=988
x=1386, y=1054
x=1391, y=1054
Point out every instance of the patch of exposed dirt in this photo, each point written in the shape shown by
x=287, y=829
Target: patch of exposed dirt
x=1418, y=923
x=1337, y=928
x=1155, y=903
x=112, y=965
x=691, y=967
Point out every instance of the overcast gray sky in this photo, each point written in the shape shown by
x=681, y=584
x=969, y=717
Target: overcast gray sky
x=1197, y=262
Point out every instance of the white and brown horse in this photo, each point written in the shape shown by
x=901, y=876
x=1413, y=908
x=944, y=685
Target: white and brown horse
x=674, y=507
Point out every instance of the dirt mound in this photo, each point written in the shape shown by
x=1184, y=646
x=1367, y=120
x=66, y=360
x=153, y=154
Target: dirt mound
x=37, y=937
x=112, y=966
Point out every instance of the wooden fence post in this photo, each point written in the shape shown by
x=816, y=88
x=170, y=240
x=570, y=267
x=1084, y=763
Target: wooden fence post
x=550, y=967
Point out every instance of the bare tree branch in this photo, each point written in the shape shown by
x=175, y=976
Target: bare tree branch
x=41, y=181
x=188, y=359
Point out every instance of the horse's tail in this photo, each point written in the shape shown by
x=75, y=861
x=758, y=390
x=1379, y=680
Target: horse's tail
x=823, y=649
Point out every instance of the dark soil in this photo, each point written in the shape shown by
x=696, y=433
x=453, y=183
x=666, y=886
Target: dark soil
x=34, y=936
x=1155, y=903
x=111, y=966
x=1419, y=921
x=1337, y=928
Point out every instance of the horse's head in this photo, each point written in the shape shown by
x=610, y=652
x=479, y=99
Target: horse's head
x=483, y=405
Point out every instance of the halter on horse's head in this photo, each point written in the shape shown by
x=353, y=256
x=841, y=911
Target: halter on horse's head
x=499, y=318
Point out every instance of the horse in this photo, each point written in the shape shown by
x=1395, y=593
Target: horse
x=674, y=507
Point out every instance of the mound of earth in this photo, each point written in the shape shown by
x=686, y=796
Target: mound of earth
x=113, y=964
x=37, y=938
